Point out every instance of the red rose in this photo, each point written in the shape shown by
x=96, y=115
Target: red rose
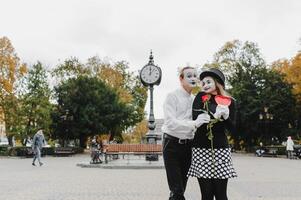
x=222, y=100
x=205, y=98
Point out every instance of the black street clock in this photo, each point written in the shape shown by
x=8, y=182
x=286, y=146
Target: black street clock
x=150, y=74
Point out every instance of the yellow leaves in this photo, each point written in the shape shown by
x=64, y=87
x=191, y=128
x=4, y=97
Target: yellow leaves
x=124, y=96
x=6, y=47
x=138, y=132
x=195, y=90
x=113, y=78
x=7, y=86
x=292, y=71
x=231, y=44
x=1, y=115
x=23, y=69
x=10, y=67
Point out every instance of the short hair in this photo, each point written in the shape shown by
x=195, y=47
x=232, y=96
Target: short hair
x=181, y=70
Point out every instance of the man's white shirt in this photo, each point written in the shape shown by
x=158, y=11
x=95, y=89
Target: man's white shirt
x=178, y=114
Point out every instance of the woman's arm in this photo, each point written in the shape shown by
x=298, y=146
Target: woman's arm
x=230, y=123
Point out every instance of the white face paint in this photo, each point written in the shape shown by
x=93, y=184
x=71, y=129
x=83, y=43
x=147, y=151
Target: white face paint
x=190, y=77
x=208, y=85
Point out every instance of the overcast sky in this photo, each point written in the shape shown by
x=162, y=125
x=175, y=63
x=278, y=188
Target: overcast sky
x=178, y=32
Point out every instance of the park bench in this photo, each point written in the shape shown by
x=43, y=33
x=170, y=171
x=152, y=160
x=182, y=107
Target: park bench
x=271, y=152
x=64, y=151
x=131, y=149
x=268, y=151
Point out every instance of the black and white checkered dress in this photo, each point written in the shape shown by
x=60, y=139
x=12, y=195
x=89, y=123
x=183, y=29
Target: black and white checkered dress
x=202, y=165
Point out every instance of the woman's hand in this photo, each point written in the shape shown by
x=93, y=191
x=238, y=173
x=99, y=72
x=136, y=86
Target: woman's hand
x=221, y=111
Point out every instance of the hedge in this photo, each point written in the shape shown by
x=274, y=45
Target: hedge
x=28, y=152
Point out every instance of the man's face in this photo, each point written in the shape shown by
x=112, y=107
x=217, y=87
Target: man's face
x=190, y=77
x=208, y=85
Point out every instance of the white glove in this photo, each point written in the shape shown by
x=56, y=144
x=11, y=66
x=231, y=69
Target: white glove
x=202, y=119
x=221, y=111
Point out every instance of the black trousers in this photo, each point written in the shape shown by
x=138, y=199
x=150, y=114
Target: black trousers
x=177, y=160
x=213, y=188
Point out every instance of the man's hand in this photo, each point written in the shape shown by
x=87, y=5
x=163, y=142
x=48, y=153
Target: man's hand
x=202, y=119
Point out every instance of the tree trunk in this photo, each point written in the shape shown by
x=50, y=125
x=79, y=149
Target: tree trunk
x=111, y=135
x=82, y=141
x=10, y=140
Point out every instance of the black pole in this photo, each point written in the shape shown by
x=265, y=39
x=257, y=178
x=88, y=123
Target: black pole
x=151, y=120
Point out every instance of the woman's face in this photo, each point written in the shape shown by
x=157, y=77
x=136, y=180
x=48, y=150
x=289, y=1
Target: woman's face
x=208, y=85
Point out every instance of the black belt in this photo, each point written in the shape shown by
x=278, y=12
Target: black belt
x=178, y=140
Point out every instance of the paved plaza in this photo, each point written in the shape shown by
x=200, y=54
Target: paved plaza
x=61, y=179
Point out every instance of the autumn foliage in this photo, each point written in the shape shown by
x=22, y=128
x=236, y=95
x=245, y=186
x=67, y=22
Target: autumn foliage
x=292, y=71
x=10, y=65
x=11, y=70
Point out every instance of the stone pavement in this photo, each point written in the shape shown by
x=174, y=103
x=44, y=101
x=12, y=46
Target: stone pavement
x=61, y=179
x=126, y=162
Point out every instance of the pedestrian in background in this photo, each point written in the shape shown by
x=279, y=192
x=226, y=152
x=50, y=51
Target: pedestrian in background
x=289, y=147
x=38, y=142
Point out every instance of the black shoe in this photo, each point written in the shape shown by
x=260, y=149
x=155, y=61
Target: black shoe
x=33, y=164
x=41, y=164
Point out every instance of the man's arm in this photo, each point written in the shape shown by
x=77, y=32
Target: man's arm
x=170, y=119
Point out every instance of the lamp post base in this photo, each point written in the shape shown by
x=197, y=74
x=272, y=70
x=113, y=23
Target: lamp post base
x=151, y=157
x=151, y=138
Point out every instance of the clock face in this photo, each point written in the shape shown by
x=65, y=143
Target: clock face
x=150, y=74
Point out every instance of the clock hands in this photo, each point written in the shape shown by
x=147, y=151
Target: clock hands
x=151, y=70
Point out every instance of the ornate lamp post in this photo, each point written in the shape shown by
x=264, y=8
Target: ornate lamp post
x=266, y=119
x=151, y=75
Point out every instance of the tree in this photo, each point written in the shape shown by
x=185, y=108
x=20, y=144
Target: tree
x=291, y=70
x=70, y=68
x=11, y=70
x=86, y=107
x=128, y=88
x=116, y=76
x=139, y=131
x=253, y=86
x=36, y=106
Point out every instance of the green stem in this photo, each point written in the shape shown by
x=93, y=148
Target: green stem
x=210, y=137
x=212, y=149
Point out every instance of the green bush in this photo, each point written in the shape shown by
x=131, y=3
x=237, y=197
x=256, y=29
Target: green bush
x=28, y=152
x=20, y=151
x=4, y=150
x=48, y=150
x=78, y=149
